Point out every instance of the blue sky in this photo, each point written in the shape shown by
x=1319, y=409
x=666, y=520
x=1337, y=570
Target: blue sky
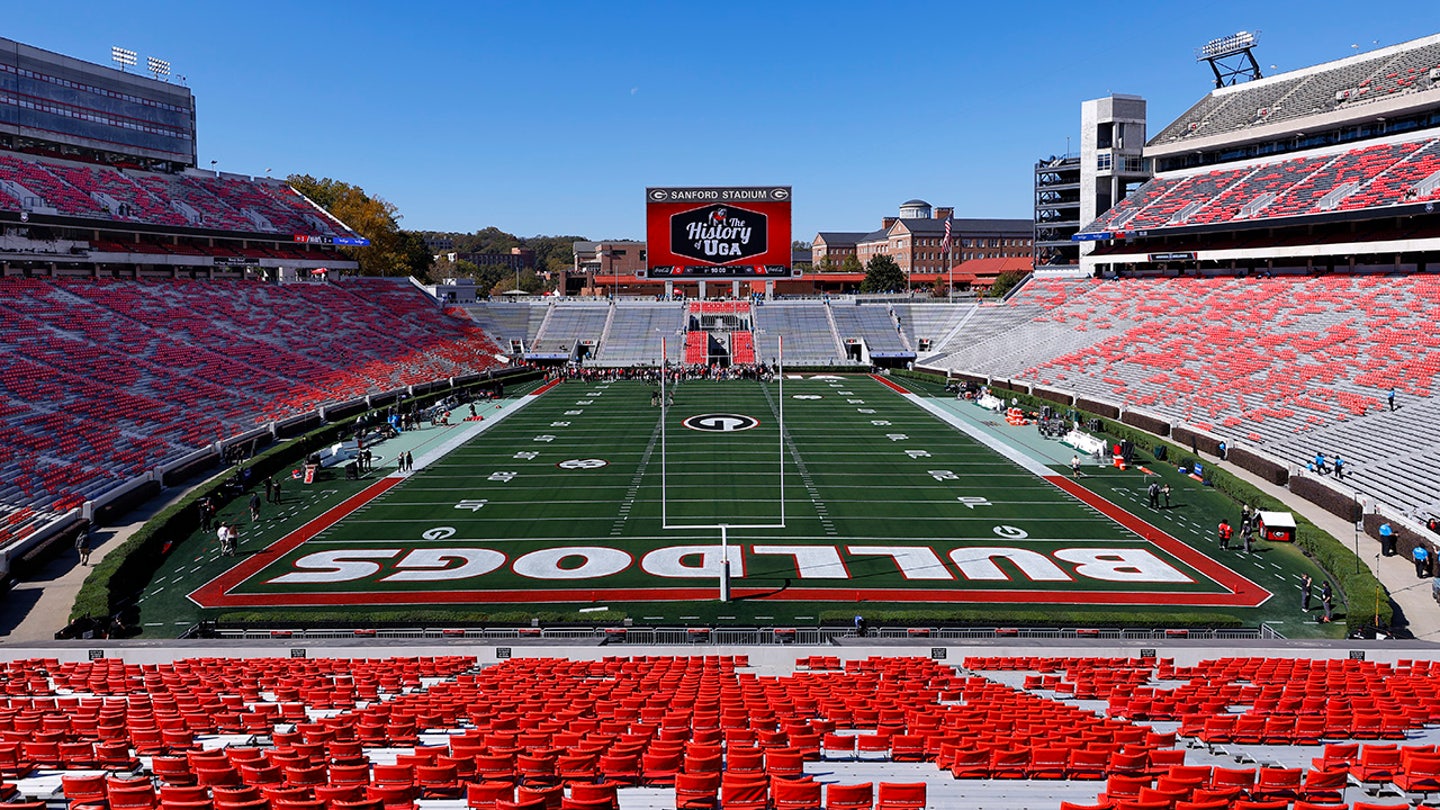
x=553, y=117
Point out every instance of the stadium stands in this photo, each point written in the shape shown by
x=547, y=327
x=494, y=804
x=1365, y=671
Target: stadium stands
x=929, y=322
x=697, y=348
x=103, y=380
x=635, y=331
x=660, y=731
x=876, y=325
x=1340, y=86
x=1295, y=365
x=742, y=348
x=809, y=335
x=507, y=322
x=1363, y=178
x=567, y=324
x=193, y=199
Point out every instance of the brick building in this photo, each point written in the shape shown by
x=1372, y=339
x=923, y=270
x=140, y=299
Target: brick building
x=617, y=256
x=914, y=240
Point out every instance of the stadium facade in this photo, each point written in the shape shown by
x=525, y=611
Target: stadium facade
x=98, y=177
x=1071, y=190
x=1331, y=168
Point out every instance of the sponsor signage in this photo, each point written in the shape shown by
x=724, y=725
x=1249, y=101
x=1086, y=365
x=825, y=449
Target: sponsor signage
x=236, y=260
x=718, y=232
x=344, y=241
x=1091, y=237
x=1183, y=256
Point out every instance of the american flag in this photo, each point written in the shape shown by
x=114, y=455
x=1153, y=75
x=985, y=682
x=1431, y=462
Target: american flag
x=945, y=245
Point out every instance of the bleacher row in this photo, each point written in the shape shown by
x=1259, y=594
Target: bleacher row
x=439, y=732
x=719, y=307
x=1298, y=365
x=1368, y=177
x=629, y=332
x=697, y=348
x=103, y=380
x=190, y=200
x=1285, y=97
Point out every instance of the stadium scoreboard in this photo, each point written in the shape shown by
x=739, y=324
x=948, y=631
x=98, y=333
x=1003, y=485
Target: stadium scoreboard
x=718, y=233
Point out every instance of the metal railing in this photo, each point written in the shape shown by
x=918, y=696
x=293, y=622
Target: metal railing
x=736, y=636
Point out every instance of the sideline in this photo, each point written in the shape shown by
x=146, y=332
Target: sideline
x=1244, y=593
x=37, y=608
x=216, y=592
x=1397, y=574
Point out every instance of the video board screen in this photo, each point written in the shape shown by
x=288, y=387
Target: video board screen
x=718, y=232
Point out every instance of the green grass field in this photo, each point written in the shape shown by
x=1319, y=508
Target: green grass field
x=559, y=505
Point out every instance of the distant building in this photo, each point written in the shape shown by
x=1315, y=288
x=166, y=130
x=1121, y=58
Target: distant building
x=623, y=256
x=830, y=248
x=516, y=259
x=915, y=240
x=437, y=243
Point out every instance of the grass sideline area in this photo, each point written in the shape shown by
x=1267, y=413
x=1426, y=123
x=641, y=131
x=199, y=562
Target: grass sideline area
x=1355, y=581
x=889, y=512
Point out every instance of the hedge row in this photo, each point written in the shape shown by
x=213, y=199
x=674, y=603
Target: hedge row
x=330, y=620
x=930, y=376
x=1097, y=408
x=1149, y=424
x=1339, y=504
x=1277, y=474
x=114, y=582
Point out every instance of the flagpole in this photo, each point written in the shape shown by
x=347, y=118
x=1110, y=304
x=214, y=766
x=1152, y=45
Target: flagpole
x=950, y=260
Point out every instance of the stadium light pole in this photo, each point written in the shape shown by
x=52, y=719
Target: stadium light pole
x=124, y=57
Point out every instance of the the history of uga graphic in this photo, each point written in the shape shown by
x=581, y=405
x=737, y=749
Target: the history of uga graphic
x=718, y=232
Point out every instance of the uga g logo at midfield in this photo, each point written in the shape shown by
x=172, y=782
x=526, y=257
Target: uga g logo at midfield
x=721, y=422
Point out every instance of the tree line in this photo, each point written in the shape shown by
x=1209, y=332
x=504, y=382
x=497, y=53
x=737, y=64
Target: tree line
x=396, y=251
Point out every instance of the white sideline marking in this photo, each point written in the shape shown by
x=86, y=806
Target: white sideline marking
x=986, y=439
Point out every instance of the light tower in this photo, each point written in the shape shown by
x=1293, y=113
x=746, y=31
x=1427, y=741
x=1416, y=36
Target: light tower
x=157, y=67
x=1231, y=58
x=124, y=57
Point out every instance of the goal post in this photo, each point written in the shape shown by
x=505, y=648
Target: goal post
x=721, y=525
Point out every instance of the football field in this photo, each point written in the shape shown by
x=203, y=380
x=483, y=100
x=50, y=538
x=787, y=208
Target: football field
x=587, y=496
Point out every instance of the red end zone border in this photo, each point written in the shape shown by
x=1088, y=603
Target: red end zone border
x=1243, y=593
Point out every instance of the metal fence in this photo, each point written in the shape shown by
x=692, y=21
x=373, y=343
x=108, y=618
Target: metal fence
x=736, y=636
